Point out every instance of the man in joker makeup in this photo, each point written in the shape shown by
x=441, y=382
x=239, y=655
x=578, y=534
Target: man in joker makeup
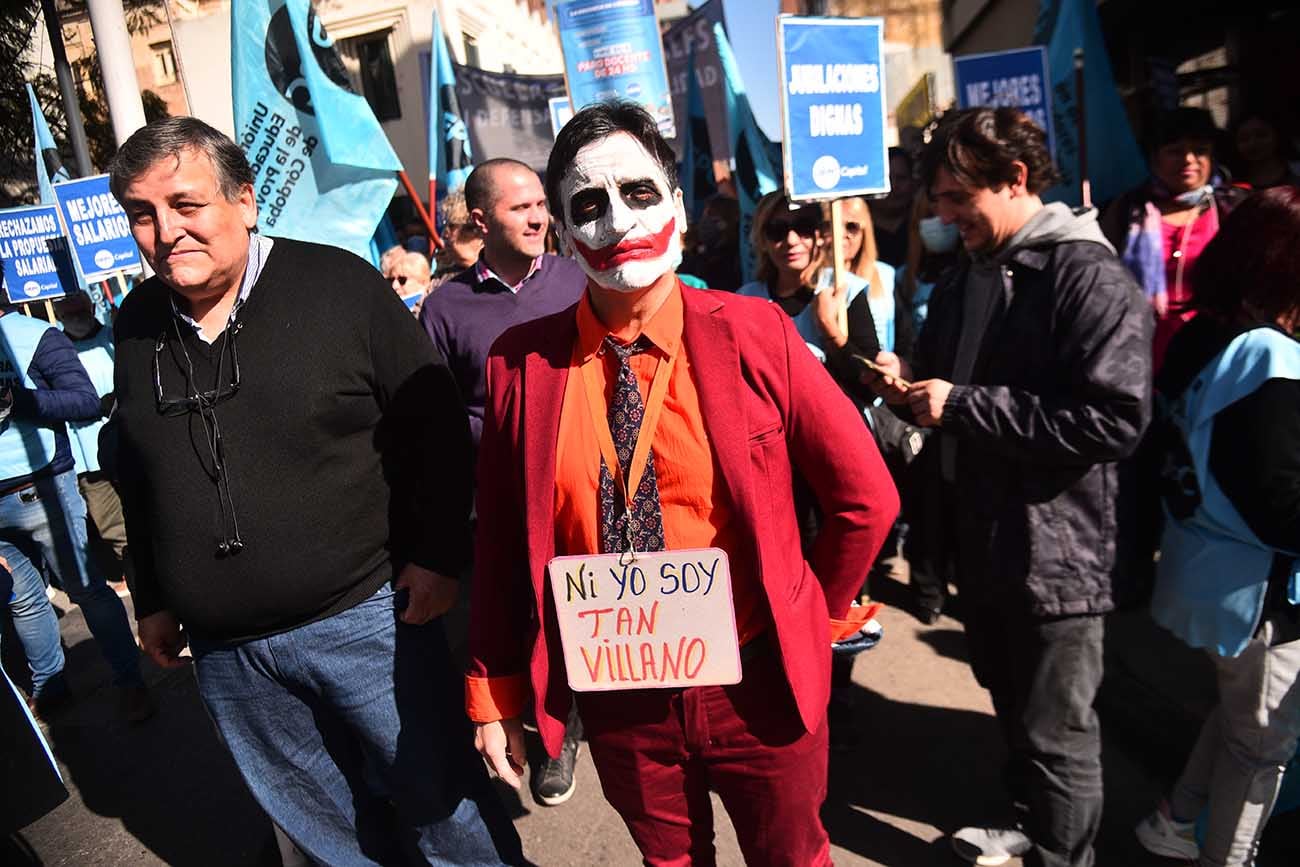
x=705, y=405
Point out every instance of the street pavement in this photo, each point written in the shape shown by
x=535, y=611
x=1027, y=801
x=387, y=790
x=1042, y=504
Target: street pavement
x=927, y=762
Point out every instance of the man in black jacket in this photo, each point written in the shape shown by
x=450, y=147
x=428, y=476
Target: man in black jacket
x=294, y=465
x=1034, y=367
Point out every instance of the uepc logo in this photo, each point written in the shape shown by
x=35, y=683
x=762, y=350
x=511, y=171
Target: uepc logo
x=827, y=171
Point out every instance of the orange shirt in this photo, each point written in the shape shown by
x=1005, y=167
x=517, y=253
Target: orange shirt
x=693, y=497
x=696, y=507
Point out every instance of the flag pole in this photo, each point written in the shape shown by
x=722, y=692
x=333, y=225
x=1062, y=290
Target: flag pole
x=1081, y=120
x=67, y=90
x=419, y=207
x=433, y=212
x=837, y=260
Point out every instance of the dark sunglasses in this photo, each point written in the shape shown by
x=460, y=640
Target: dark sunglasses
x=777, y=230
x=852, y=227
x=401, y=281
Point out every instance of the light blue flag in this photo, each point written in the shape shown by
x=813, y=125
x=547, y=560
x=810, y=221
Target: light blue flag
x=323, y=168
x=754, y=174
x=696, y=176
x=49, y=167
x=450, y=157
x=1115, y=163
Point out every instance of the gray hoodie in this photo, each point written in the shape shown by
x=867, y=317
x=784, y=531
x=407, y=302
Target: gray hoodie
x=1055, y=224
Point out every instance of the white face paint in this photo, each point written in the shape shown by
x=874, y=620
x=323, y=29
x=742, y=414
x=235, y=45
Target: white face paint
x=621, y=220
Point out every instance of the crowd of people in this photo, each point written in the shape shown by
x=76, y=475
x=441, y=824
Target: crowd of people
x=1054, y=411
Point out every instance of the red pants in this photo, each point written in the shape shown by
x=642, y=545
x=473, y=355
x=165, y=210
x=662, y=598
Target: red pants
x=659, y=751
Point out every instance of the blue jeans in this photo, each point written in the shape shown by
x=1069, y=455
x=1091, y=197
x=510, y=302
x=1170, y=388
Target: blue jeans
x=321, y=717
x=47, y=523
x=34, y=619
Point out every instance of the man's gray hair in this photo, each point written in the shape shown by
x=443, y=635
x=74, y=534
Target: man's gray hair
x=169, y=137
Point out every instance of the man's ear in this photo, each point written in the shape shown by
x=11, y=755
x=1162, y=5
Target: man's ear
x=1020, y=187
x=679, y=203
x=478, y=217
x=247, y=202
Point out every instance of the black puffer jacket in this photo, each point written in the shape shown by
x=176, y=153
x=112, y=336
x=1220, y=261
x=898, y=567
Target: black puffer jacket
x=1059, y=393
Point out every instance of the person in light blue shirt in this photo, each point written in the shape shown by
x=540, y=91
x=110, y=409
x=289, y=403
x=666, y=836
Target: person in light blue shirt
x=94, y=344
x=861, y=259
x=932, y=250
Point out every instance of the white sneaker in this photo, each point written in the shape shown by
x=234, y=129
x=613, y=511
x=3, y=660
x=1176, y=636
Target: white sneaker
x=1161, y=835
x=990, y=847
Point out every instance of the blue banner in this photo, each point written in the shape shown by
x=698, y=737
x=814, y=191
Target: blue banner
x=1115, y=162
x=753, y=172
x=30, y=273
x=1008, y=79
x=98, y=227
x=450, y=157
x=323, y=168
x=696, y=176
x=833, y=106
x=612, y=50
x=49, y=167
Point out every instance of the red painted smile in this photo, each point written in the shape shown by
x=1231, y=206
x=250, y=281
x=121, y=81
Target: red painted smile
x=628, y=250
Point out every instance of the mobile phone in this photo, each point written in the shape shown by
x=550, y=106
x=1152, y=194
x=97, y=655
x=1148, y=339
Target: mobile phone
x=872, y=366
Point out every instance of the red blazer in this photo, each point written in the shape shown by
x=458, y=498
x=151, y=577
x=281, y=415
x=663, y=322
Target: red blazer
x=769, y=408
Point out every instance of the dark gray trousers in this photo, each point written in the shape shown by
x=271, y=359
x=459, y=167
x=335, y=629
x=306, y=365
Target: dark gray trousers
x=1043, y=676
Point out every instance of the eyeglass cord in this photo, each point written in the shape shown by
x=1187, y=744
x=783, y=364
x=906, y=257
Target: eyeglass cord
x=232, y=543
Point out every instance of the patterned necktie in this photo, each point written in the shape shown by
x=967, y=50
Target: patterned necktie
x=644, y=525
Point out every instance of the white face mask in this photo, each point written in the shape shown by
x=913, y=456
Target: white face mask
x=621, y=220
x=938, y=237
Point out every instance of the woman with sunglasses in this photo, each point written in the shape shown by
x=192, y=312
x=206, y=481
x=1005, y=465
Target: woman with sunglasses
x=893, y=325
x=410, y=277
x=794, y=271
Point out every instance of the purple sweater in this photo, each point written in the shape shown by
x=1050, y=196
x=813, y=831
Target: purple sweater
x=465, y=317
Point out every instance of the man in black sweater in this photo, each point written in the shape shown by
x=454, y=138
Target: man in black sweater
x=294, y=464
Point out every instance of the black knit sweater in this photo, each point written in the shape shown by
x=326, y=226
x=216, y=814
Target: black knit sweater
x=346, y=447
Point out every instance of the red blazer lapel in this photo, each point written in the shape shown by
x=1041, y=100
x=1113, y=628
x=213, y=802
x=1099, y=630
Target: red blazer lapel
x=715, y=355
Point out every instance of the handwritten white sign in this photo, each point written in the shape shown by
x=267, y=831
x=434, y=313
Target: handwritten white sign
x=665, y=619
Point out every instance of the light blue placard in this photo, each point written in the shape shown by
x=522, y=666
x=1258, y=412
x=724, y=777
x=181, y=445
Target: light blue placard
x=97, y=227
x=833, y=106
x=29, y=270
x=1008, y=79
x=612, y=50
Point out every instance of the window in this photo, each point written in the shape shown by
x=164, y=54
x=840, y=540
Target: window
x=370, y=61
x=471, y=52
x=164, y=63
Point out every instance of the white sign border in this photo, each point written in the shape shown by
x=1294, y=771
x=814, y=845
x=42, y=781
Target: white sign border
x=787, y=158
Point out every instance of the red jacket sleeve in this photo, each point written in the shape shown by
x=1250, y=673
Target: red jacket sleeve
x=832, y=448
x=501, y=601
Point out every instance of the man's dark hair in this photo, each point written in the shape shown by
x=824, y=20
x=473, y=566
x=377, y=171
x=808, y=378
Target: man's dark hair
x=978, y=146
x=1254, y=258
x=1184, y=122
x=596, y=122
x=479, y=189
x=168, y=138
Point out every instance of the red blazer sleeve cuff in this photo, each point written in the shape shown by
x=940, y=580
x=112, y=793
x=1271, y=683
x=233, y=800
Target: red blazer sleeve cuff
x=488, y=699
x=854, y=619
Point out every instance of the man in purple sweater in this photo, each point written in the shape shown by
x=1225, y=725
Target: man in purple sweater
x=514, y=280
